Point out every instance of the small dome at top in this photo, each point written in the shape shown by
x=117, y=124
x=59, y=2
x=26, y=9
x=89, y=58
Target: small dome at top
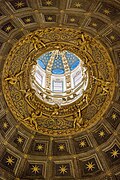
x=60, y=77
x=58, y=61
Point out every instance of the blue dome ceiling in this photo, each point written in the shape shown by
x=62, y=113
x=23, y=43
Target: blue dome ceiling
x=58, y=66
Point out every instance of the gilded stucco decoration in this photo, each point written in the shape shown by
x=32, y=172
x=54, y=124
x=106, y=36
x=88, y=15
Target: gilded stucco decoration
x=53, y=119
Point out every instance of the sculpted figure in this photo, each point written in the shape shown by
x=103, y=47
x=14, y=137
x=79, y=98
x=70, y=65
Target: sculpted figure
x=104, y=85
x=37, y=42
x=28, y=94
x=86, y=95
x=78, y=120
x=56, y=111
x=84, y=42
x=32, y=119
x=85, y=98
x=13, y=79
x=89, y=62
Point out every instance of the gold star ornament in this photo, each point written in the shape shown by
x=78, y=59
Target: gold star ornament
x=35, y=169
x=72, y=19
x=10, y=160
x=28, y=20
x=5, y=125
x=19, y=140
x=114, y=153
x=82, y=143
x=102, y=133
x=50, y=18
x=40, y=147
x=61, y=147
x=90, y=166
x=19, y=4
x=63, y=169
x=114, y=116
x=8, y=28
x=112, y=37
x=77, y=4
x=49, y=2
x=94, y=24
x=106, y=12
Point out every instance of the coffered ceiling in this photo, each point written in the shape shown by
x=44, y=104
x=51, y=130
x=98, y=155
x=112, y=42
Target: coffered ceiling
x=91, y=154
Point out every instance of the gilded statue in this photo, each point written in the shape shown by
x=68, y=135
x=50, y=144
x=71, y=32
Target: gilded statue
x=86, y=97
x=84, y=43
x=30, y=62
x=28, y=94
x=14, y=79
x=78, y=120
x=104, y=85
x=37, y=43
x=89, y=62
x=33, y=119
x=56, y=111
